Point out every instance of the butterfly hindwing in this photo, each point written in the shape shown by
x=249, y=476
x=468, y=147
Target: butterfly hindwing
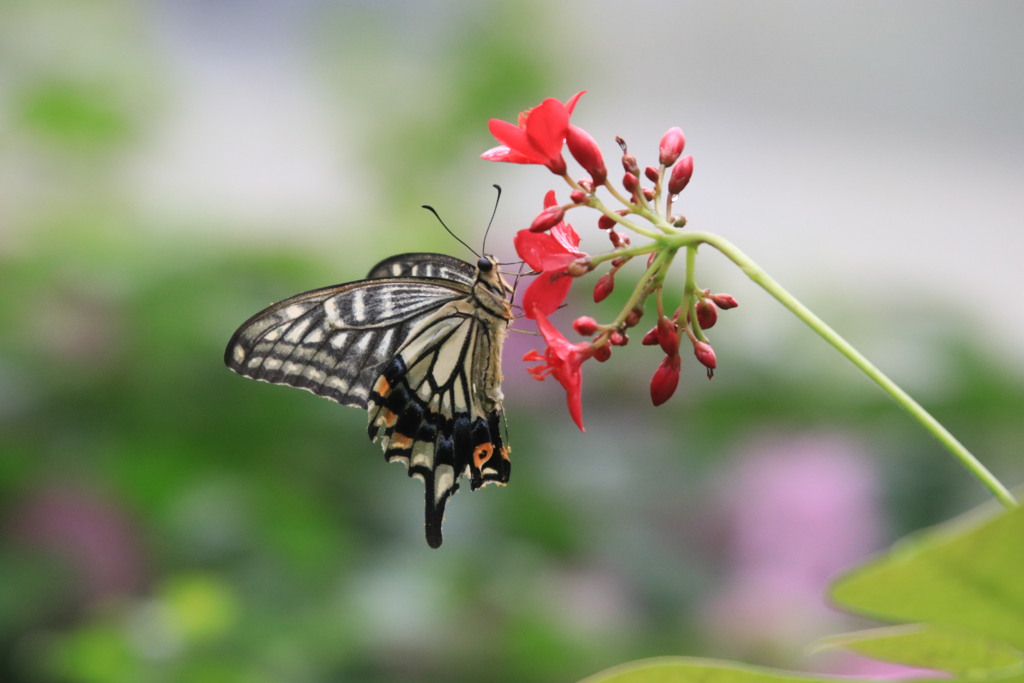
x=437, y=408
x=418, y=343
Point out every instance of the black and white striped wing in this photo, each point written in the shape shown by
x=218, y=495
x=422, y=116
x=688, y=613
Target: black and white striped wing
x=334, y=341
x=425, y=265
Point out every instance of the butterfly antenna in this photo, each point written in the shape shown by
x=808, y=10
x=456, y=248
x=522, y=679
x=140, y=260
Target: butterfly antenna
x=493, y=214
x=443, y=225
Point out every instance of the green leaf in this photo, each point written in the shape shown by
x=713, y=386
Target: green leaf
x=960, y=653
x=691, y=670
x=967, y=575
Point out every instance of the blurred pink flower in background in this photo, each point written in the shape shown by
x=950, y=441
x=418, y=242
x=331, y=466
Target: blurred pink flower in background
x=799, y=509
x=92, y=538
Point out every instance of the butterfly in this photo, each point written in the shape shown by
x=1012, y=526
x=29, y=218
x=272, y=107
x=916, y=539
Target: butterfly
x=418, y=345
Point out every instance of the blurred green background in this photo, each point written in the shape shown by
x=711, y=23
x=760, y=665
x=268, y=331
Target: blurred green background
x=167, y=168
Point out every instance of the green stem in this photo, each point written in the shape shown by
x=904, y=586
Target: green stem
x=755, y=273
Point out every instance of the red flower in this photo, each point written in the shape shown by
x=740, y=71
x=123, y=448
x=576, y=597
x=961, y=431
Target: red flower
x=538, y=137
x=562, y=359
x=551, y=253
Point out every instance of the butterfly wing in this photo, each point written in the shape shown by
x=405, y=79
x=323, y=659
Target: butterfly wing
x=425, y=265
x=415, y=345
x=334, y=341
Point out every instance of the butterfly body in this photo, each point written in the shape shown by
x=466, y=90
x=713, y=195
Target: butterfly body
x=418, y=345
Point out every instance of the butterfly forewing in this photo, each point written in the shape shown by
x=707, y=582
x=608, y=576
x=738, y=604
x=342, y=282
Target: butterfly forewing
x=438, y=266
x=418, y=343
x=333, y=341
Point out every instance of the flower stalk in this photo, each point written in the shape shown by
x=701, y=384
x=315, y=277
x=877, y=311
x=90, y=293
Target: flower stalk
x=833, y=338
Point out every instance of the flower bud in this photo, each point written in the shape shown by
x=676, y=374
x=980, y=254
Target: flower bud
x=605, y=223
x=671, y=146
x=618, y=239
x=630, y=182
x=586, y=184
x=651, y=338
x=585, y=325
x=618, y=338
x=628, y=160
x=648, y=194
x=605, y=285
x=667, y=336
x=724, y=301
x=651, y=173
x=578, y=197
x=603, y=353
x=585, y=151
x=665, y=379
x=633, y=317
x=707, y=314
x=705, y=354
x=681, y=173
x=547, y=219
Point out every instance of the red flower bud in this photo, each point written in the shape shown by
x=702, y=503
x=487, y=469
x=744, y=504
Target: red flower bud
x=633, y=317
x=585, y=151
x=547, y=219
x=628, y=160
x=651, y=173
x=667, y=336
x=603, y=353
x=618, y=338
x=665, y=380
x=671, y=146
x=724, y=301
x=648, y=194
x=681, y=173
x=605, y=223
x=707, y=314
x=585, y=325
x=705, y=354
x=651, y=338
x=630, y=182
x=605, y=285
x=578, y=197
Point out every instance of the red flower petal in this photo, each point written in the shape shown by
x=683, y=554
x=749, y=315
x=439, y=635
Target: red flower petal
x=546, y=293
x=563, y=360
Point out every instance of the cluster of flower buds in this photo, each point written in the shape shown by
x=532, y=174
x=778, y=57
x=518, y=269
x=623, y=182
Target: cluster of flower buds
x=550, y=246
x=666, y=335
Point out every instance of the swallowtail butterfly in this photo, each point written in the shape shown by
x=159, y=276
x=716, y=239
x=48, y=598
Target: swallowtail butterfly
x=418, y=345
